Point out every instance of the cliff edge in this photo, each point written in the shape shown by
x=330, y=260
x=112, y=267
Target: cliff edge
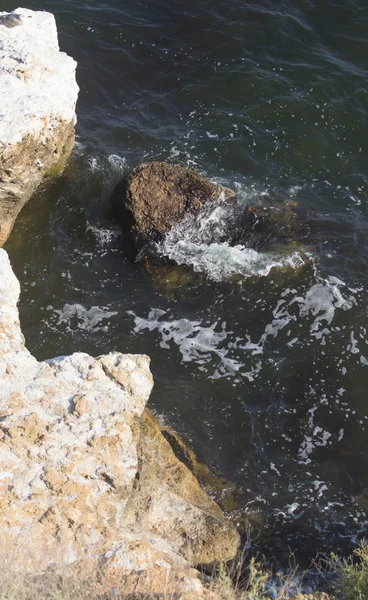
x=38, y=95
x=86, y=477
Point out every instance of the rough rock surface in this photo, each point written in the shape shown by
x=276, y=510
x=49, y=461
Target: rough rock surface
x=86, y=477
x=38, y=94
x=156, y=196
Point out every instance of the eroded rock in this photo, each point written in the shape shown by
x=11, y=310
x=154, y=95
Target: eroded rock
x=156, y=196
x=87, y=478
x=38, y=94
x=165, y=491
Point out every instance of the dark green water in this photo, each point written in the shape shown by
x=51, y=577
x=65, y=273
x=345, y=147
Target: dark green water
x=265, y=376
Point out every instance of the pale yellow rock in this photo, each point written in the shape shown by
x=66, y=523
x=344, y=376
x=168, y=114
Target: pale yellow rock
x=86, y=477
x=38, y=94
x=169, y=502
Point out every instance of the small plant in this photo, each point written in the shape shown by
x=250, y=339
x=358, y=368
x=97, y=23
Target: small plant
x=351, y=574
x=256, y=581
x=252, y=580
x=237, y=582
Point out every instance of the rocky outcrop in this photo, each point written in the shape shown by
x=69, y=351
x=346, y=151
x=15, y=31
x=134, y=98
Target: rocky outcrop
x=165, y=491
x=87, y=478
x=160, y=206
x=38, y=94
x=156, y=196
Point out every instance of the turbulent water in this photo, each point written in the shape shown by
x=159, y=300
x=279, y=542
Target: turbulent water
x=259, y=355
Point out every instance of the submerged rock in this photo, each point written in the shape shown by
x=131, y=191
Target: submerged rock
x=87, y=478
x=155, y=197
x=38, y=94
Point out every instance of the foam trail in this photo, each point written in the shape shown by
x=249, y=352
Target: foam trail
x=201, y=242
x=84, y=318
x=216, y=349
x=103, y=235
x=221, y=261
x=196, y=342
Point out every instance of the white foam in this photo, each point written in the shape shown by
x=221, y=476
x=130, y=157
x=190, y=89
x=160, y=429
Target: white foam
x=241, y=357
x=200, y=243
x=117, y=162
x=318, y=438
x=221, y=261
x=322, y=300
x=77, y=316
x=353, y=346
x=196, y=342
x=93, y=164
x=104, y=235
x=113, y=164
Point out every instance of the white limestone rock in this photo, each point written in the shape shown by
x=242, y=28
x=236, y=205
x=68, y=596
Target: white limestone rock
x=87, y=478
x=37, y=80
x=38, y=94
x=68, y=438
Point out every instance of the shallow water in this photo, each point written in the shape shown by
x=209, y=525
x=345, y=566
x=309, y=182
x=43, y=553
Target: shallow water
x=260, y=357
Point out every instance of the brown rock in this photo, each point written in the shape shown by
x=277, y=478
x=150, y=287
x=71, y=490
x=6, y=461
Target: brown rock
x=170, y=503
x=156, y=196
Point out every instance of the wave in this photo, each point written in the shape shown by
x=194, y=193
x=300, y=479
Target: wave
x=206, y=243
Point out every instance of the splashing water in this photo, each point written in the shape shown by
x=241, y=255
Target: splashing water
x=200, y=242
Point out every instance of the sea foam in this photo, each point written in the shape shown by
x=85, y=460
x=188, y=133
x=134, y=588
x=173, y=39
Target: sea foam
x=202, y=243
